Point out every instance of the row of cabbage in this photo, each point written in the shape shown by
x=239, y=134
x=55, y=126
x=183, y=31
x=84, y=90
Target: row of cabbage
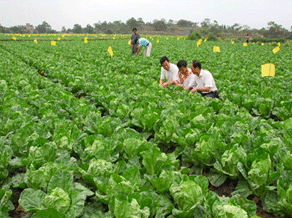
x=66, y=160
x=235, y=66
x=209, y=132
x=60, y=37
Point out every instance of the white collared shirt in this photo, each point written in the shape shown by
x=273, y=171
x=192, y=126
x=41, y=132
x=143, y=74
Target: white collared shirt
x=171, y=74
x=205, y=79
x=188, y=81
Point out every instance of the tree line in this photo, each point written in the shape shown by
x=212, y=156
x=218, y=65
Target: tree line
x=206, y=27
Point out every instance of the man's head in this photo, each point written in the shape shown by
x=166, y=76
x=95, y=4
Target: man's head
x=196, y=67
x=134, y=30
x=164, y=61
x=182, y=66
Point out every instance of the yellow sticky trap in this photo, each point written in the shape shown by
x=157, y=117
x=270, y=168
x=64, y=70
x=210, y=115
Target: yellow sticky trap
x=268, y=70
x=275, y=50
x=279, y=44
x=216, y=49
x=53, y=43
x=14, y=38
x=59, y=38
x=167, y=38
x=245, y=44
x=205, y=40
x=198, y=43
x=178, y=38
x=35, y=41
x=110, y=51
x=85, y=40
x=157, y=40
x=129, y=42
x=263, y=43
x=232, y=42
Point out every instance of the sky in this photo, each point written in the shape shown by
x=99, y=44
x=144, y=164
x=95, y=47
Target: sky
x=59, y=13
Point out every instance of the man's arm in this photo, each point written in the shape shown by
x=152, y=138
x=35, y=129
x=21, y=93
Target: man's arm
x=178, y=84
x=139, y=48
x=203, y=89
x=173, y=82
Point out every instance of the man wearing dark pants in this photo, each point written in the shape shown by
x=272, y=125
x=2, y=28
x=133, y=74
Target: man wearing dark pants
x=134, y=36
x=203, y=81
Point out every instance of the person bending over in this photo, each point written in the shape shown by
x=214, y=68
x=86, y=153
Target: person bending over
x=142, y=42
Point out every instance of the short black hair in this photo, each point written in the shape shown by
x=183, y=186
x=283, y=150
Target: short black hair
x=163, y=59
x=134, y=28
x=197, y=63
x=182, y=63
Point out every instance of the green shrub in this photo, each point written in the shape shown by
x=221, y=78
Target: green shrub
x=268, y=40
x=194, y=36
x=212, y=37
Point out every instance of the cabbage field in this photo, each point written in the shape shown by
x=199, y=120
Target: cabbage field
x=84, y=134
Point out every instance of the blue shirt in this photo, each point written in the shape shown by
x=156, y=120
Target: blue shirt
x=143, y=42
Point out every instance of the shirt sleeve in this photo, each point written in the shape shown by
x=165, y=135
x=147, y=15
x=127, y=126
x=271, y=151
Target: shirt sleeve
x=162, y=74
x=192, y=82
x=177, y=78
x=174, y=70
x=208, y=80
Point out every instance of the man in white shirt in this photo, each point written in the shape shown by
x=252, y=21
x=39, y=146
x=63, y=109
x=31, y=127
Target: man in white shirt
x=203, y=81
x=169, y=72
x=185, y=75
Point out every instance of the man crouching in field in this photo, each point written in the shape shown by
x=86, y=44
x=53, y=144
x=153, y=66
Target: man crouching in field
x=169, y=72
x=203, y=81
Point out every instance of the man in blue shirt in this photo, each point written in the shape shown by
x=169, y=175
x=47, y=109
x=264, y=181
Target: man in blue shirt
x=147, y=44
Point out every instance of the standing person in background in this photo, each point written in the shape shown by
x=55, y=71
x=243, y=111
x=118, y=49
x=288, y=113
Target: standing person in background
x=203, y=81
x=247, y=38
x=168, y=71
x=142, y=42
x=134, y=36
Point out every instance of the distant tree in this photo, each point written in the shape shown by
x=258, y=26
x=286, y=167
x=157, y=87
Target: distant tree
x=63, y=30
x=131, y=23
x=97, y=27
x=276, y=31
x=2, y=29
x=170, y=22
x=206, y=23
x=141, y=22
x=88, y=29
x=215, y=28
x=44, y=28
x=245, y=28
x=77, y=28
x=159, y=25
x=105, y=27
x=16, y=29
x=184, y=23
x=235, y=27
